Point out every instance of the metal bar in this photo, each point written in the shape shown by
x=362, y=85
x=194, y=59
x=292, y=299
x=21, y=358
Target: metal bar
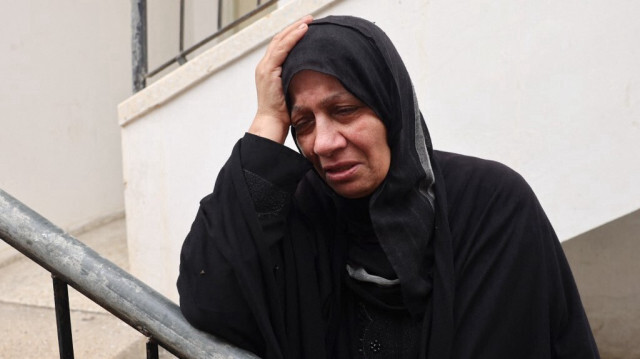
x=152, y=349
x=108, y=285
x=219, y=14
x=229, y=26
x=181, y=59
x=139, y=44
x=63, y=318
x=181, y=45
x=210, y=37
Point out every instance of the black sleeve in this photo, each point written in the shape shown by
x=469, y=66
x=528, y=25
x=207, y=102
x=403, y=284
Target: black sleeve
x=271, y=172
x=226, y=283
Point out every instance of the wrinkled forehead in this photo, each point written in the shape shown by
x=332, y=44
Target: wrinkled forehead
x=346, y=54
x=320, y=86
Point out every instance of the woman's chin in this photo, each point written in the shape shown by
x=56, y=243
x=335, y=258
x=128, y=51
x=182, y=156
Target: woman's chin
x=351, y=190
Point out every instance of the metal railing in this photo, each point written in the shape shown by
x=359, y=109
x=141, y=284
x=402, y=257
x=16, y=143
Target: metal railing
x=71, y=262
x=139, y=38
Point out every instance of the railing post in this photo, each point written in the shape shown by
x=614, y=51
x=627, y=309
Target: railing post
x=219, y=14
x=152, y=349
x=63, y=318
x=139, y=43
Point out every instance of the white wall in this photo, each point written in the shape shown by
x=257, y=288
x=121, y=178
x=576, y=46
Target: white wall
x=65, y=65
x=549, y=88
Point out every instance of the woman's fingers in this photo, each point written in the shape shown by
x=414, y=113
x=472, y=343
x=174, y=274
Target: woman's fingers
x=283, y=42
x=272, y=119
x=281, y=45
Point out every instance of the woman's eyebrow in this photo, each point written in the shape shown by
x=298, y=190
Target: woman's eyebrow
x=324, y=102
x=333, y=97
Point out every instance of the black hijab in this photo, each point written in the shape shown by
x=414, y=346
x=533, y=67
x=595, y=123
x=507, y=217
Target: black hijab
x=404, y=209
x=365, y=61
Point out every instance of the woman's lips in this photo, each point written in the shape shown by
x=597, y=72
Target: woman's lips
x=340, y=172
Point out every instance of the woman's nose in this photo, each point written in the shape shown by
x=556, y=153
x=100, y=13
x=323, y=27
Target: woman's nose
x=328, y=138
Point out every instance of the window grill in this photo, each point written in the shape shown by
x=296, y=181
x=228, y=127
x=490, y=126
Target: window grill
x=139, y=38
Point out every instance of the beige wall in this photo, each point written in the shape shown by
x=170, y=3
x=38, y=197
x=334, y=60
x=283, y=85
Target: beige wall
x=64, y=67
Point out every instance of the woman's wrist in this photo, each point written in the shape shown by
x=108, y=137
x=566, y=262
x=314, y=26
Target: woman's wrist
x=270, y=128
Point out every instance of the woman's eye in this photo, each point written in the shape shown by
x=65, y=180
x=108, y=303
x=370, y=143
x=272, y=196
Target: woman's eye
x=346, y=110
x=302, y=125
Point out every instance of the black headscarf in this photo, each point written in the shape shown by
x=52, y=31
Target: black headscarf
x=403, y=210
x=362, y=57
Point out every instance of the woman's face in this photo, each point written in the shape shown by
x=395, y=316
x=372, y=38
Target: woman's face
x=342, y=137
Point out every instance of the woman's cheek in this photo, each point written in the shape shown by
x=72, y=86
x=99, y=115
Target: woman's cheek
x=306, y=146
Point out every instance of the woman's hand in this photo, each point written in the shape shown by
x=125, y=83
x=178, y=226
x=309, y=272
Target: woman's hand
x=272, y=119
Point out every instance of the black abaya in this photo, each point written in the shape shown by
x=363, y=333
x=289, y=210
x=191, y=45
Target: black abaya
x=479, y=265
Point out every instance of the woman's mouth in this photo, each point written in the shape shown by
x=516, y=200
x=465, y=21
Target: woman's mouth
x=340, y=172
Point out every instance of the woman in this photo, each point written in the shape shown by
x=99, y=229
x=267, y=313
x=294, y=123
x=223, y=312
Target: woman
x=370, y=244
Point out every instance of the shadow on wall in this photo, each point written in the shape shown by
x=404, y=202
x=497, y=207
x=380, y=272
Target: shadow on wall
x=606, y=266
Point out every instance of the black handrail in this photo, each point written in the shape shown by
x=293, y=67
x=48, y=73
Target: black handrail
x=117, y=291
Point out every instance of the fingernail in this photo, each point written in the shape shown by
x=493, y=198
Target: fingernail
x=302, y=26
